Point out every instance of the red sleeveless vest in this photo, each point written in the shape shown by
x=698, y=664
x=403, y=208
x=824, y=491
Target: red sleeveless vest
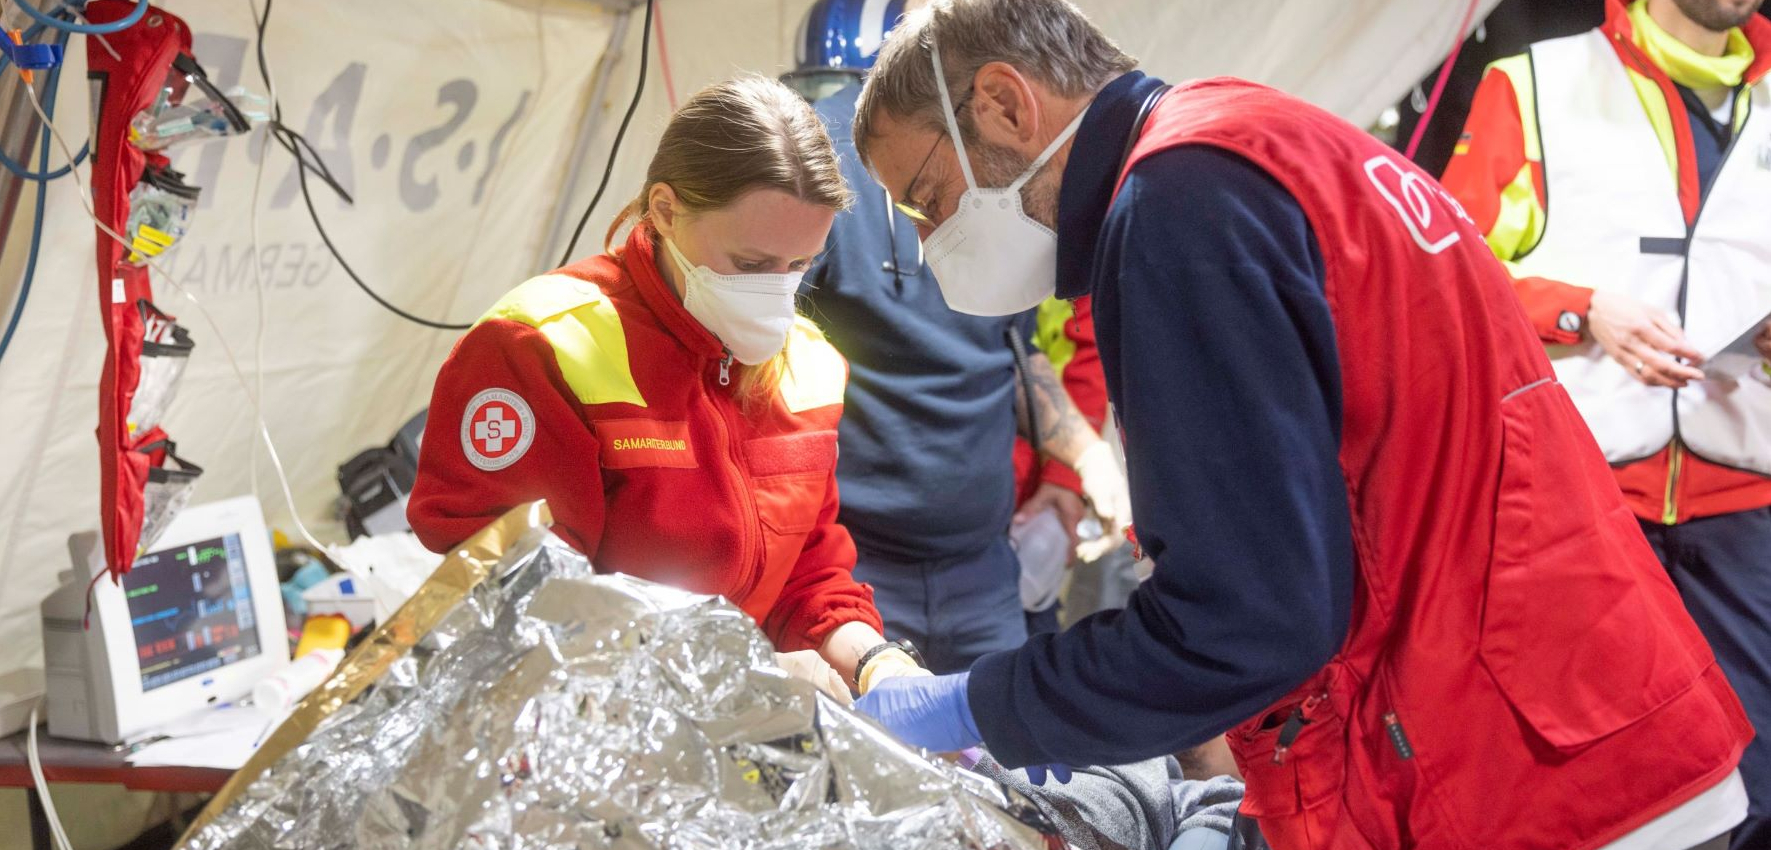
x=1519, y=671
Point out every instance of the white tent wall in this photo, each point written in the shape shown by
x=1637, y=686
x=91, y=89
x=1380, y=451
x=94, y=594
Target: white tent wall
x=450, y=130
x=452, y=123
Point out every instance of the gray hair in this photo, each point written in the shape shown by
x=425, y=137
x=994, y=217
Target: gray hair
x=1050, y=41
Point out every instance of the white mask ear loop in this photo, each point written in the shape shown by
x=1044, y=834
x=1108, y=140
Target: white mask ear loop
x=965, y=164
x=1051, y=149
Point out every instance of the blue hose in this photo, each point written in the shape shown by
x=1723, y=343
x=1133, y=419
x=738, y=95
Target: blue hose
x=7, y=162
x=24, y=289
x=22, y=173
x=35, y=14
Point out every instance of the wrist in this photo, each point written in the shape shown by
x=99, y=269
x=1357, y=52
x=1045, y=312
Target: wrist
x=1094, y=454
x=962, y=704
x=889, y=663
x=885, y=660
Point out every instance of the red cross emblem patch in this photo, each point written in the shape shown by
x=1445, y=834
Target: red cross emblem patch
x=496, y=429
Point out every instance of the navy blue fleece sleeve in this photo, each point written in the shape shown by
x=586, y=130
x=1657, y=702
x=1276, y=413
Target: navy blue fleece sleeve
x=1220, y=355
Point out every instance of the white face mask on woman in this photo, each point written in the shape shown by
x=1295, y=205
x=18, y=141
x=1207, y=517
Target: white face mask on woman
x=750, y=313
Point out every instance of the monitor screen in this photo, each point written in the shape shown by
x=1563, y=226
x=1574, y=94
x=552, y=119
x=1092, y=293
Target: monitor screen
x=191, y=609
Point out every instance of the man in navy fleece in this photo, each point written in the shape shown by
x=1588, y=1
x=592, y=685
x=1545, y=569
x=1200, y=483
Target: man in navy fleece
x=1281, y=562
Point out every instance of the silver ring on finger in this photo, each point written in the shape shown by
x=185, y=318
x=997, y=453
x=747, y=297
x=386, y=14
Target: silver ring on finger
x=1640, y=365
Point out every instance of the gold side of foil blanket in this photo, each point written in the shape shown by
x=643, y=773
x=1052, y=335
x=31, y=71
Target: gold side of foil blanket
x=521, y=701
x=460, y=572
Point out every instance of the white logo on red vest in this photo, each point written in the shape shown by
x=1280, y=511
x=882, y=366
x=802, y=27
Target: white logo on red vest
x=497, y=429
x=1411, y=196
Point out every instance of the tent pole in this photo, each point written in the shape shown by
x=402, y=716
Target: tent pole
x=565, y=211
x=18, y=134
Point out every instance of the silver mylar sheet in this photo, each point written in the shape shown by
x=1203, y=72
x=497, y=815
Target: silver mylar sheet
x=555, y=708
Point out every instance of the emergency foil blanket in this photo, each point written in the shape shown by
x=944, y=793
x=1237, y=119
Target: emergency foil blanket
x=551, y=707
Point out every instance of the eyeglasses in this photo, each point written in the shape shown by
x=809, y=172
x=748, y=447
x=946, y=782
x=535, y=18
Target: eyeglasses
x=909, y=208
x=916, y=214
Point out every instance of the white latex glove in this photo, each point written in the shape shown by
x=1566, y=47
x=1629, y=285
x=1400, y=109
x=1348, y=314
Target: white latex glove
x=1103, y=483
x=807, y=664
x=888, y=664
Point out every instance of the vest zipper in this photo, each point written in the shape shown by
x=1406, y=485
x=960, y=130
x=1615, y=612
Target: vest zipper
x=752, y=519
x=1675, y=464
x=1294, y=726
x=1670, y=513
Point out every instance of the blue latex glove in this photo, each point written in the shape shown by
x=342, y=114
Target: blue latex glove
x=935, y=713
x=1036, y=773
x=931, y=712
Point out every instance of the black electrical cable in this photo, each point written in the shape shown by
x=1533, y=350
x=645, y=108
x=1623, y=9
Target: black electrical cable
x=1019, y=349
x=301, y=149
x=620, y=133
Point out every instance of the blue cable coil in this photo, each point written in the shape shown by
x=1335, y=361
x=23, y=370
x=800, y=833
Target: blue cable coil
x=127, y=21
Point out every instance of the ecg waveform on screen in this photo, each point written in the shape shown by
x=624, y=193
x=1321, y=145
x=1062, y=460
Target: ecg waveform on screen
x=198, y=557
x=191, y=610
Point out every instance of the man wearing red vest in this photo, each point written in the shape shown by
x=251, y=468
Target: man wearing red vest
x=1389, y=557
x=1654, y=131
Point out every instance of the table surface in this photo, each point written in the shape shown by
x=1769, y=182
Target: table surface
x=84, y=761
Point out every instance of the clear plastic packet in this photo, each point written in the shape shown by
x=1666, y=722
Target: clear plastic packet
x=160, y=208
x=168, y=490
x=165, y=352
x=170, y=120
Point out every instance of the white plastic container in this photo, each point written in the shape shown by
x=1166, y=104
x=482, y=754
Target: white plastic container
x=343, y=594
x=278, y=694
x=1043, y=550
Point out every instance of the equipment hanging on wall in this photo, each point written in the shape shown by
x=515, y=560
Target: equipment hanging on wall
x=141, y=76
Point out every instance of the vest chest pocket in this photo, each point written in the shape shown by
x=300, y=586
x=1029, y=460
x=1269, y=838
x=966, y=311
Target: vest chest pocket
x=1582, y=630
x=791, y=473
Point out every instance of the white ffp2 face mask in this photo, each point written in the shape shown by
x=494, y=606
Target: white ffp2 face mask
x=750, y=313
x=990, y=257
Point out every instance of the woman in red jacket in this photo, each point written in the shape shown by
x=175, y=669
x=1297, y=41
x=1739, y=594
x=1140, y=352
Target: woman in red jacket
x=677, y=415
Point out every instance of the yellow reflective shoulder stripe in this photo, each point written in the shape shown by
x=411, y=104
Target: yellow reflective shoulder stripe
x=815, y=375
x=1519, y=223
x=1518, y=71
x=1049, y=336
x=585, y=330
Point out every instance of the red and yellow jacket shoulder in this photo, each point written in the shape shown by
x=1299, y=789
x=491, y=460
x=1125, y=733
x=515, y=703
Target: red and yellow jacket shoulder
x=1496, y=172
x=593, y=388
x=1065, y=334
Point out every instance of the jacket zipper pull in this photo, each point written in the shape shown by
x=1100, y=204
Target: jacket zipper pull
x=725, y=370
x=1288, y=734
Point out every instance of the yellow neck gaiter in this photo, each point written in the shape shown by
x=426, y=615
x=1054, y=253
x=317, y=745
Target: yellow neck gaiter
x=1685, y=66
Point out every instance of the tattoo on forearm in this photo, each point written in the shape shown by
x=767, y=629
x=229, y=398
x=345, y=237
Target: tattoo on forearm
x=1063, y=432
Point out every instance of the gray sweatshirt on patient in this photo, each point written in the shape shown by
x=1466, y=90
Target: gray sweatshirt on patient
x=1141, y=806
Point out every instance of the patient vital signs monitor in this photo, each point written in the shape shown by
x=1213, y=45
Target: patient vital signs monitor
x=197, y=621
